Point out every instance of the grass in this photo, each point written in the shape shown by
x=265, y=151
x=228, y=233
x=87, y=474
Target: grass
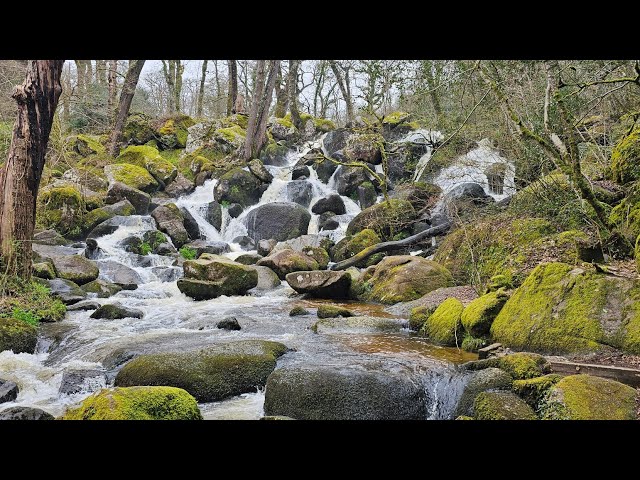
x=188, y=253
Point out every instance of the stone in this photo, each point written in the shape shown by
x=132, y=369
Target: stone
x=132, y=176
x=502, y=406
x=267, y=278
x=349, y=178
x=44, y=270
x=102, y=288
x=300, y=172
x=190, y=224
x=387, y=218
x=239, y=186
x=482, y=381
x=121, y=275
x=335, y=140
x=286, y=261
x=478, y=316
x=360, y=324
x=76, y=381
x=75, y=268
x=367, y=195
x=171, y=221
x=245, y=242
x=8, y=391
x=257, y=168
x=321, y=283
x=180, y=186
x=230, y=323
x=204, y=246
x=18, y=336
x=116, y=312
x=298, y=311
x=248, y=258
x=300, y=192
x=364, y=148
x=332, y=311
x=235, y=210
x=49, y=237
x=331, y=203
x=138, y=199
x=277, y=220
x=25, y=413
x=66, y=290
x=266, y=246
x=213, y=276
x=214, y=215
x=83, y=306
x=443, y=326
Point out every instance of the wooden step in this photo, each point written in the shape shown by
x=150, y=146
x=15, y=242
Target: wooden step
x=629, y=376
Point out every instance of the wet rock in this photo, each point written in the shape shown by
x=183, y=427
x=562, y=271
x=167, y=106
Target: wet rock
x=349, y=178
x=44, y=270
x=171, y=221
x=120, y=274
x=362, y=324
x=230, y=323
x=298, y=311
x=8, y=391
x=353, y=244
x=110, y=225
x=443, y=326
x=214, y=215
x=329, y=392
x=17, y=335
x=180, y=186
x=25, y=413
x=367, y=195
x=102, y=288
x=235, y=210
x=190, y=224
x=335, y=140
x=386, y=218
x=75, y=268
x=92, y=251
x=131, y=176
x=468, y=193
x=213, y=276
x=277, y=220
x=138, y=199
x=267, y=278
x=167, y=274
x=203, y=246
x=245, y=242
x=300, y=192
x=502, y=406
x=300, y=172
x=274, y=154
x=49, y=237
x=321, y=283
x=76, y=381
x=265, y=246
x=286, y=261
x=67, y=291
x=328, y=221
x=83, y=306
x=116, y=312
x=257, y=168
x=331, y=203
x=325, y=169
x=303, y=242
x=203, y=177
x=211, y=374
x=481, y=381
x=239, y=186
x=332, y=311
x=248, y=258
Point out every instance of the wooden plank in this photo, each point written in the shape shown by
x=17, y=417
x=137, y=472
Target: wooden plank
x=484, y=352
x=629, y=376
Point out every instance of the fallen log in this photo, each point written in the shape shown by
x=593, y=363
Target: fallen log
x=392, y=245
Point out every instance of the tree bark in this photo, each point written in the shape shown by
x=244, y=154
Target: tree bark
x=126, y=97
x=201, y=91
x=292, y=93
x=259, y=113
x=282, y=99
x=101, y=72
x=37, y=99
x=173, y=76
x=431, y=85
x=233, y=86
x=344, y=86
x=393, y=245
x=112, y=79
x=81, y=74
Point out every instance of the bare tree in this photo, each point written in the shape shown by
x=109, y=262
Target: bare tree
x=37, y=99
x=203, y=78
x=292, y=93
x=282, y=97
x=233, y=86
x=341, y=72
x=173, y=71
x=112, y=80
x=126, y=97
x=258, y=116
x=101, y=72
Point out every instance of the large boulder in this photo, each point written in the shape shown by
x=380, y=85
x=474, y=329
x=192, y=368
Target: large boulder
x=121, y=208
x=101, y=288
x=180, y=186
x=212, y=276
x=213, y=215
x=132, y=176
x=625, y=158
x=257, y=168
x=331, y=203
x=75, y=268
x=163, y=171
x=563, y=309
x=386, y=218
x=287, y=260
x=16, y=335
x=443, y=326
x=361, y=324
x=335, y=140
x=274, y=154
x=584, y=397
x=172, y=132
x=76, y=380
x=115, y=312
x=502, y=406
x=300, y=192
x=211, y=374
x=402, y=278
x=190, y=224
x=354, y=244
x=314, y=246
x=364, y=148
x=118, y=192
x=468, y=193
x=25, y=413
x=267, y=278
x=116, y=272
x=349, y=178
x=49, y=237
x=321, y=283
x=171, y=221
x=330, y=392
x=67, y=291
x=277, y=220
x=239, y=186
x=482, y=381
x=203, y=246
x=480, y=313
x=137, y=403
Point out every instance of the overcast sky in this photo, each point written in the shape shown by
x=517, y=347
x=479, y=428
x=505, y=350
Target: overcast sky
x=192, y=68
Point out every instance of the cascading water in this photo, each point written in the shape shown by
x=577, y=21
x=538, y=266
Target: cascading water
x=174, y=322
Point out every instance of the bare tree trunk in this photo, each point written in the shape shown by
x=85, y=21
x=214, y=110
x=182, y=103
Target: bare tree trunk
x=259, y=114
x=282, y=98
x=101, y=72
x=66, y=98
x=427, y=67
x=292, y=93
x=178, y=85
x=233, y=86
x=170, y=78
x=113, y=88
x=89, y=73
x=126, y=97
x=217, y=79
x=343, y=84
x=201, y=91
x=81, y=73
x=37, y=99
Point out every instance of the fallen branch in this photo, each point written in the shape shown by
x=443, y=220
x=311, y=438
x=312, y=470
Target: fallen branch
x=393, y=245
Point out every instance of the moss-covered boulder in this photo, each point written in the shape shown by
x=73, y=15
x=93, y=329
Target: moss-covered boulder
x=212, y=374
x=17, y=335
x=132, y=176
x=76, y=268
x=535, y=390
x=298, y=311
x=502, y=406
x=137, y=403
x=172, y=132
x=584, y=397
x=386, y=219
x=480, y=313
x=277, y=220
x=482, y=381
x=419, y=315
x=274, y=154
x=361, y=324
x=93, y=218
x=443, y=325
x=60, y=208
x=137, y=129
x=171, y=221
x=286, y=261
x=523, y=365
x=119, y=192
x=625, y=158
x=163, y=171
x=101, y=288
x=321, y=283
x=239, y=186
x=402, y=278
x=212, y=276
x=85, y=145
x=562, y=309
x=332, y=311
x=115, y=312
x=365, y=147
x=44, y=270
x=352, y=245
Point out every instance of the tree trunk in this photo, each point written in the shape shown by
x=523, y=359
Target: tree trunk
x=392, y=245
x=81, y=74
x=292, y=93
x=126, y=97
x=217, y=79
x=170, y=76
x=101, y=72
x=343, y=85
x=431, y=85
x=201, y=91
x=66, y=99
x=112, y=79
x=233, y=86
x=178, y=85
x=282, y=98
x=37, y=99
x=259, y=114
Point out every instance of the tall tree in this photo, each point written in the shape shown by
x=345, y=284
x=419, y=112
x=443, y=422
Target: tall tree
x=233, y=86
x=112, y=80
x=101, y=72
x=292, y=93
x=282, y=98
x=173, y=71
x=126, y=97
x=341, y=72
x=81, y=80
x=258, y=116
x=37, y=99
x=203, y=78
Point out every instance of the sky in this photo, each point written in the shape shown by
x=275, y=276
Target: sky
x=192, y=68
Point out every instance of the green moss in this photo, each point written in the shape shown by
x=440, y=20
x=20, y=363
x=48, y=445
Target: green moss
x=17, y=335
x=497, y=282
x=323, y=124
x=297, y=311
x=234, y=134
x=188, y=253
x=464, y=417
x=137, y=403
x=472, y=344
x=395, y=118
x=134, y=176
x=480, y=313
x=148, y=158
x=502, y=406
x=443, y=325
x=87, y=145
x=625, y=158
x=418, y=316
x=44, y=270
x=138, y=129
x=176, y=128
x=32, y=299
x=285, y=121
x=535, y=390
x=584, y=397
x=386, y=219
x=524, y=365
x=331, y=311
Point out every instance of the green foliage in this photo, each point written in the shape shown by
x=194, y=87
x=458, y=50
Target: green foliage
x=472, y=344
x=145, y=248
x=625, y=158
x=188, y=253
x=29, y=302
x=25, y=316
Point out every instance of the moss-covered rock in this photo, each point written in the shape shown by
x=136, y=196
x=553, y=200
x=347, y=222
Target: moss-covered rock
x=102, y=288
x=535, y=390
x=116, y=312
x=419, y=315
x=239, y=186
x=44, y=270
x=443, y=325
x=321, y=283
x=287, y=261
x=352, y=245
x=584, y=397
x=17, y=335
x=172, y=132
x=85, y=145
x=331, y=311
x=95, y=217
x=402, y=278
x=298, y=311
x=60, y=208
x=524, y=365
x=482, y=381
x=163, y=171
x=365, y=147
x=360, y=324
x=502, y=406
x=76, y=268
x=212, y=276
x=386, y=219
x=211, y=374
x=132, y=176
x=626, y=215
x=625, y=158
x=137, y=403
x=563, y=309
x=171, y=221
x=480, y=313
x=137, y=129
x=234, y=136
